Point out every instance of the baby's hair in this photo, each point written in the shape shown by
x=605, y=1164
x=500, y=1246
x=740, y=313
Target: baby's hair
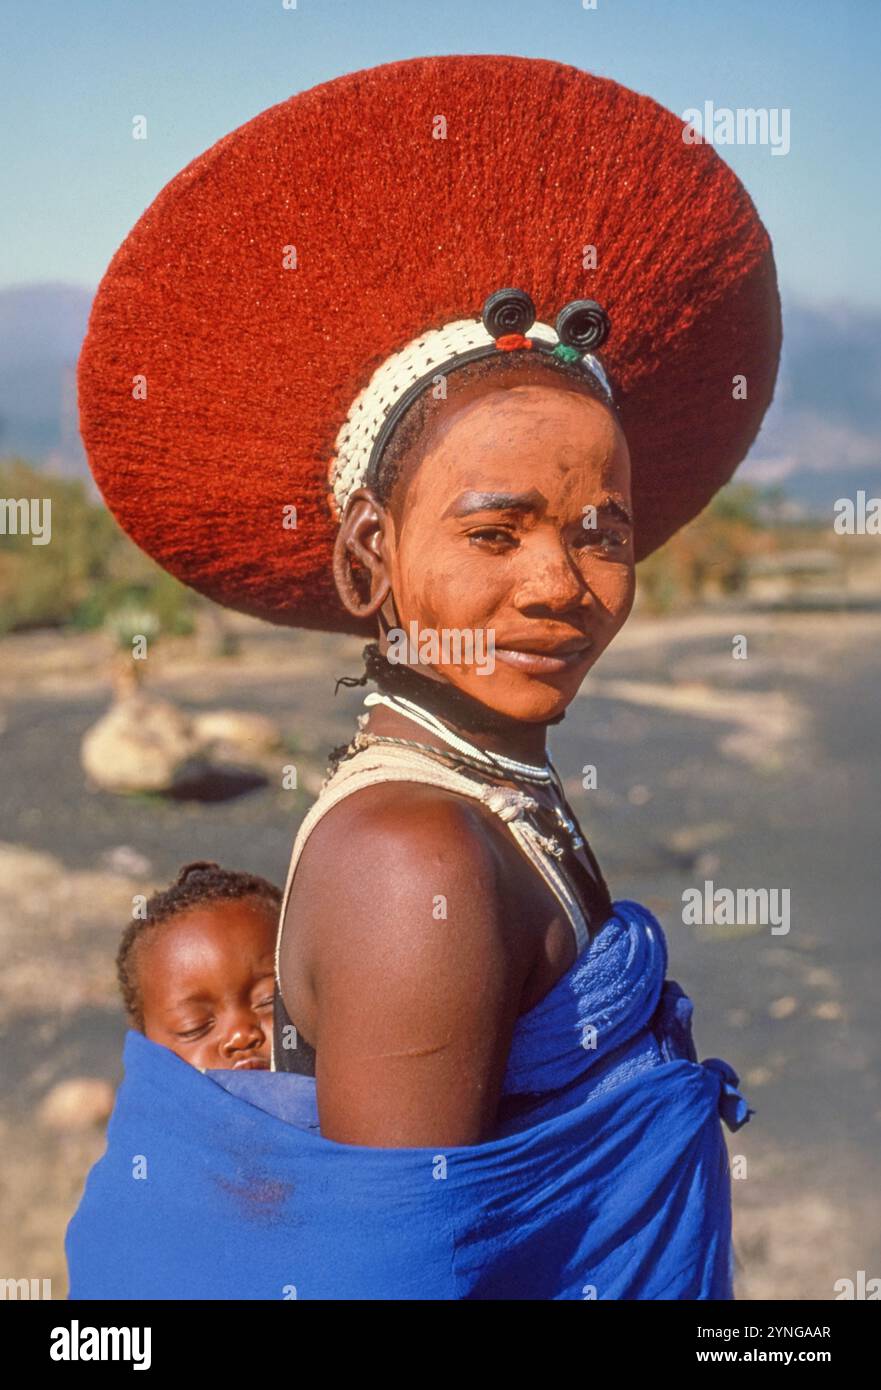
x=199, y=882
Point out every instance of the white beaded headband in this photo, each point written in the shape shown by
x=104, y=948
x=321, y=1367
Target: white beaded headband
x=507, y=317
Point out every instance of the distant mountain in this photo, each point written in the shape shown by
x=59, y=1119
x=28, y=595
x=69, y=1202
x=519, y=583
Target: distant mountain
x=821, y=439
x=822, y=436
x=41, y=329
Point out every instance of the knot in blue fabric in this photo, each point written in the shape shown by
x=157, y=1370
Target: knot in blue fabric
x=733, y=1107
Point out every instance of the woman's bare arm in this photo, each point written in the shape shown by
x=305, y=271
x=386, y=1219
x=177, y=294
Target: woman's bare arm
x=416, y=979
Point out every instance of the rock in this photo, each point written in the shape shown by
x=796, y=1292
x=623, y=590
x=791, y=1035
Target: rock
x=783, y=1008
x=125, y=860
x=758, y=1076
x=142, y=744
x=828, y=1008
x=706, y=864
x=146, y=744
x=639, y=795
x=738, y=1018
x=231, y=734
x=80, y=1103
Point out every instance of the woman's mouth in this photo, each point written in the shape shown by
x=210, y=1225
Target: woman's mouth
x=533, y=663
x=251, y=1064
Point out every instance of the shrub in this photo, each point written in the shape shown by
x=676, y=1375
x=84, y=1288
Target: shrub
x=89, y=569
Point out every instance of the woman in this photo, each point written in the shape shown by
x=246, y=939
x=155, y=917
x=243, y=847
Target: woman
x=481, y=527
x=449, y=958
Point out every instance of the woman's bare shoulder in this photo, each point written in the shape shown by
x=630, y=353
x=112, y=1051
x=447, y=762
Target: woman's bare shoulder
x=389, y=808
x=417, y=975
x=393, y=835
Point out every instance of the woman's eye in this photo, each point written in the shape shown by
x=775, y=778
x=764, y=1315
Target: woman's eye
x=493, y=535
x=264, y=1003
x=605, y=539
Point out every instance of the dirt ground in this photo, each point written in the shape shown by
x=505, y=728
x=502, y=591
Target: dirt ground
x=754, y=772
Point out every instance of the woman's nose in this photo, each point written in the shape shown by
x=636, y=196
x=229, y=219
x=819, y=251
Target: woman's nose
x=550, y=580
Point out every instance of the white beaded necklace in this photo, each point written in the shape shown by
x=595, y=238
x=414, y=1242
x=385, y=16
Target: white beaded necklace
x=495, y=762
x=528, y=771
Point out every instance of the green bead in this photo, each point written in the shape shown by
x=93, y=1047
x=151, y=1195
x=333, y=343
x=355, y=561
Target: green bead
x=566, y=354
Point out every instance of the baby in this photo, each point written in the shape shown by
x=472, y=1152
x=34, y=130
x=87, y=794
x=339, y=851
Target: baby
x=197, y=973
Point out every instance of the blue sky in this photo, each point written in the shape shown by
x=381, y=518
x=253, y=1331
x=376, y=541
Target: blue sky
x=74, y=73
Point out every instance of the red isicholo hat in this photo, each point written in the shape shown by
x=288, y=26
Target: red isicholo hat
x=222, y=380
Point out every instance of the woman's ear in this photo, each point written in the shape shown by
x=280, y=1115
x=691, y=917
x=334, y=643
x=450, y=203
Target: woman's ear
x=359, y=568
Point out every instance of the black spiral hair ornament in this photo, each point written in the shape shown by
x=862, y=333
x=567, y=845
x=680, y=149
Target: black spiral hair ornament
x=583, y=325
x=508, y=311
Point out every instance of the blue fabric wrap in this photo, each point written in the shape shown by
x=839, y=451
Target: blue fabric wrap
x=612, y=1185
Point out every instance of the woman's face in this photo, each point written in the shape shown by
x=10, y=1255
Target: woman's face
x=516, y=524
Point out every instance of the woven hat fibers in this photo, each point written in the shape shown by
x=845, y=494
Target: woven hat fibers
x=250, y=366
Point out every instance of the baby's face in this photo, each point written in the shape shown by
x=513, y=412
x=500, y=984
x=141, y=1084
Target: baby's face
x=206, y=979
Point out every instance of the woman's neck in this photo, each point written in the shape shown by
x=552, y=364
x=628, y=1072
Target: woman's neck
x=529, y=747
x=476, y=722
